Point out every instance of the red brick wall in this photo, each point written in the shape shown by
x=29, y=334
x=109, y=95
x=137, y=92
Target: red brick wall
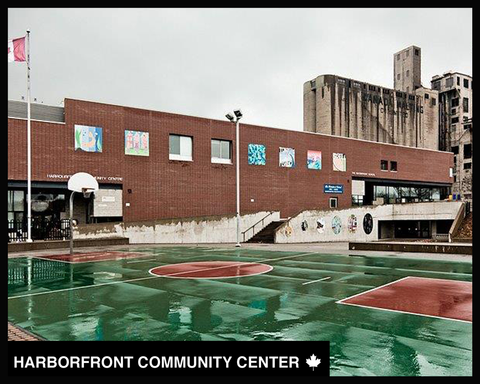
x=162, y=188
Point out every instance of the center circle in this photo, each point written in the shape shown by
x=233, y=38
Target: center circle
x=210, y=270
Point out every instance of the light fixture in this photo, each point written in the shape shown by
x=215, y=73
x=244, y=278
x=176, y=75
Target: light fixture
x=229, y=117
x=238, y=113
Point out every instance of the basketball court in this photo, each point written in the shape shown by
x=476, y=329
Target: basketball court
x=382, y=315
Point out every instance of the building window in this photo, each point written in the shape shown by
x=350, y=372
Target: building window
x=449, y=82
x=465, y=105
x=357, y=200
x=384, y=165
x=417, y=52
x=393, y=166
x=454, y=111
x=455, y=102
x=181, y=148
x=467, y=151
x=434, y=101
x=467, y=126
x=408, y=73
x=398, y=76
x=458, y=80
x=221, y=151
x=15, y=205
x=455, y=150
x=398, y=57
x=465, y=83
x=454, y=120
x=333, y=202
x=467, y=166
x=427, y=96
x=454, y=127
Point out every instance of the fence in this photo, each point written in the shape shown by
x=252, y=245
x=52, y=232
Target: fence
x=41, y=230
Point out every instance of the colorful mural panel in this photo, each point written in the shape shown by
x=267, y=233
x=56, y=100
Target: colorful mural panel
x=287, y=157
x=88, y=139
x=321, y=225
x=339, y=162
x=336, y=225
x=256, y=154
x=137, y=143
x=368, y=223
x=314, y=160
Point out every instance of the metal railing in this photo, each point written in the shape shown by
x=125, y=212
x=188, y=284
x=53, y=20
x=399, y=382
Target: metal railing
x=41, y=230
x=252, y=228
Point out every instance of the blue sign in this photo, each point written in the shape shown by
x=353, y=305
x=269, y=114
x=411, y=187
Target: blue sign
x=332, y=188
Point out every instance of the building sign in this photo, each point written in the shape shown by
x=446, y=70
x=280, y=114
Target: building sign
x=256, y=154
x=333, y=188
x=98, y=178
x=363, y=174
x=339, y=162
x=314, y=160
x=88, y=139
x=136, y=143
x=287, y=157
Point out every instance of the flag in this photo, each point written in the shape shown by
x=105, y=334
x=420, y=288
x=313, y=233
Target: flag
x=16, y=49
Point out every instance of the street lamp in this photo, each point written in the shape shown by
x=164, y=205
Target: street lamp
x=238, y=115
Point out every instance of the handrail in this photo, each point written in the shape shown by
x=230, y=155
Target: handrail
x=258, y=222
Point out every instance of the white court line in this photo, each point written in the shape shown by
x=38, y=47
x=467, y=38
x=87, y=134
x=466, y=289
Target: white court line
x=395, y=310
x=128, y=281
x=83, y=287
x=371, y=290
x=88, y=261
x=314, y=281
x=224, y=266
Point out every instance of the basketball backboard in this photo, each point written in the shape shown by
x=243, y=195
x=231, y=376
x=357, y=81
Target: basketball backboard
x=82, y=182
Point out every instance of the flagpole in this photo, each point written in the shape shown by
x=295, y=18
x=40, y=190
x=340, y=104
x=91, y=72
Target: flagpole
x=29, y=147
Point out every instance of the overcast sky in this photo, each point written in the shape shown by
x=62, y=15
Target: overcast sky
x=206, y=62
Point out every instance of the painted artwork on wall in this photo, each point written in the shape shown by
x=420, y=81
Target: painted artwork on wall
x=336, y=225
x=321, y=225
x=256, y=154
x=352, y=223
x=314, y=160
x=88, y=139
x=287, y=157
x=339, y=162
x=368, y=223
x=137, y=143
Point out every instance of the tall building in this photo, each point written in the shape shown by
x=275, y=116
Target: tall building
x=456, y=126
x=339, y=106
x=407, y=69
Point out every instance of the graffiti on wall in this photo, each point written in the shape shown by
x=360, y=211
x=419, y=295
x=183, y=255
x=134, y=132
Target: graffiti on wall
x=352, y=224
x=88, y=139
x=339, y=162
x=336, y=225
x=256, y=154
x=136, y=143
x=304, y=225
x=368, y=223
x=314, y=160
x=287, y=157
x=321, y=225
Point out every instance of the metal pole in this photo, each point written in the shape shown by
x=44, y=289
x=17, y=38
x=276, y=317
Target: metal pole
x=29, y=148
x=71, y=223
x=237, y=150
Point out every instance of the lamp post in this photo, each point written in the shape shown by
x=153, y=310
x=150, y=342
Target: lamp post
x=236, y=120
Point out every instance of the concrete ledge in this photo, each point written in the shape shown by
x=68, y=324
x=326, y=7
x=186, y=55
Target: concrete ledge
x=451, y=248
x=56, y=244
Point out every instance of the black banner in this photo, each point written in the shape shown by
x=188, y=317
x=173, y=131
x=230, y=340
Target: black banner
x=169, y=358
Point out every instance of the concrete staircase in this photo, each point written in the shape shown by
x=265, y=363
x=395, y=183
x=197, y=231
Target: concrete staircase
x=267, y=234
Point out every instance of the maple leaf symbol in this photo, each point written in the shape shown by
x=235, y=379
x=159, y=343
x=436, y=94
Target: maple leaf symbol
x=313, y=362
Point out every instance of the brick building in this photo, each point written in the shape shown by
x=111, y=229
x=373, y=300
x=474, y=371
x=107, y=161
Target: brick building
x=186, y=168
x=456, y=127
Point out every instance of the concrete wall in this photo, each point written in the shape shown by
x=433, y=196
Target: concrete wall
x=293, y=231
x=213, y=229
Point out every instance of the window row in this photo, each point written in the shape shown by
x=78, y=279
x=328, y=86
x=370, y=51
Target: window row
x=384, y=165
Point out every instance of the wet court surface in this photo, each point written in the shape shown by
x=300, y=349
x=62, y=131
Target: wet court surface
x=118, y=297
